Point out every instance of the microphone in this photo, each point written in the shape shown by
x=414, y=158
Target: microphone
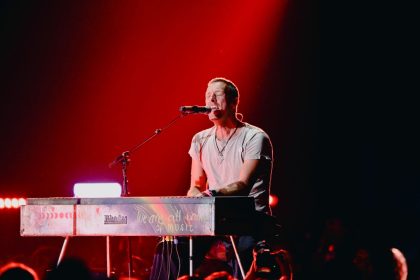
x=186, y=110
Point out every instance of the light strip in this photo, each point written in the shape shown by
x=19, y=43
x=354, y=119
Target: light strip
x=97, y=190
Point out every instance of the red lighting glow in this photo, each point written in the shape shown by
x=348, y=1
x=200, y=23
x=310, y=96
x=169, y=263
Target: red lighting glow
x=273, y=200
x=134, y=60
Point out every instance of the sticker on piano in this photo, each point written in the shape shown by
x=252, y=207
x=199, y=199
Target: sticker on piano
x=115, y=220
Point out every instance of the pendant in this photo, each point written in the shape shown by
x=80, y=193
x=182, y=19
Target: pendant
x=220, y=159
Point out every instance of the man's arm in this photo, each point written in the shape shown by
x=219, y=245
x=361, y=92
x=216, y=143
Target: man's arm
x=198, y=179
x=247, y=178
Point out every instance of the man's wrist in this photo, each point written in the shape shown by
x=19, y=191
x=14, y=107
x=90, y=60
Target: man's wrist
x=214, y=193
x=210, y=193
x=193, y=191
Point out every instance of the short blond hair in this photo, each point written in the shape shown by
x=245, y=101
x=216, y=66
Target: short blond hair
x=231, y=90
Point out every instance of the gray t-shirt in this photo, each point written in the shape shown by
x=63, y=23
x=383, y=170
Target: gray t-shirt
x=248, y=142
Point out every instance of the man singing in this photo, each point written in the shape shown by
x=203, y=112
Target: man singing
x=232, y=158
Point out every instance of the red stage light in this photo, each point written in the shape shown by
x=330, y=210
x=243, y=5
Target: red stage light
x=273, y=200
x=12, y=202
x=15, y=203
x=22, y=201
x=7, y=202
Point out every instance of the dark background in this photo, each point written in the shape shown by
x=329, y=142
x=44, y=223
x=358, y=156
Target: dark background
x=332, y=84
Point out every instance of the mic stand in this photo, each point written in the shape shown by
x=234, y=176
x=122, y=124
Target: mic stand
x=124, y=159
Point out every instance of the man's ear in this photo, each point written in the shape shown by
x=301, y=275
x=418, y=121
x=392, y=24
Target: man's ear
x=234, y=103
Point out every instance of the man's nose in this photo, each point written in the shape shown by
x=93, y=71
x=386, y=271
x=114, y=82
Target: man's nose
x=211, y=98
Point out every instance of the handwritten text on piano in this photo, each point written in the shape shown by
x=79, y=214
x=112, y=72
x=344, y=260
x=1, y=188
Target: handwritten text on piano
x=170, y=219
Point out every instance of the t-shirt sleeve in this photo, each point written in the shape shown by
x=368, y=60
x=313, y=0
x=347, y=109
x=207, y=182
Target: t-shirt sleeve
x=259, y=147
x=194, y=148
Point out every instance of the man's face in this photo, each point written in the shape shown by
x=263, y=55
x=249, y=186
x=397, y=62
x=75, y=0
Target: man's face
x=216, y=99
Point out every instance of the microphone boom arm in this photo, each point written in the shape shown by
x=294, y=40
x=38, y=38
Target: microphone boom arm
x=124, y=158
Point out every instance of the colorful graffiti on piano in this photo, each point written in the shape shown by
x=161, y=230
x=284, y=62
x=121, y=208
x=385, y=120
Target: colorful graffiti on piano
x=174, y=219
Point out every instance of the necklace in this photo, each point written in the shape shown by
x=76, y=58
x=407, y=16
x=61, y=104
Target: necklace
x=220, y=151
